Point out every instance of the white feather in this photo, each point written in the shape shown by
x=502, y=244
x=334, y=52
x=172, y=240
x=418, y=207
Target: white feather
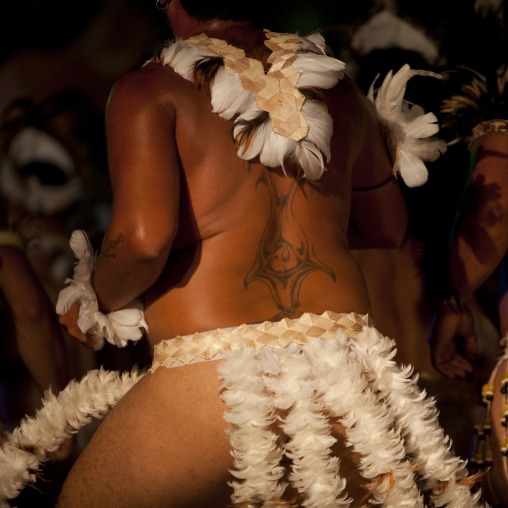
x=313, y=43
x=275, y=148
x=59, y=418
x=311, y=160
x=182, y=62
x=228, y=96
x=428, y=447
x=116, y=327
x=412, y=170
x=411, y=129
x=318, y=70
x=315, y=471
x=257, y=141
x=320, y=126
x=250, y=414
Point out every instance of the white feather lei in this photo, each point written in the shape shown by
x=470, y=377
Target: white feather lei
x=117, y=327
x=230, y=97
x=59, y=418
x=411, y=129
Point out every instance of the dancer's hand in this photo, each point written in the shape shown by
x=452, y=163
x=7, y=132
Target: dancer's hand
x=453, y=341
x=69, y=321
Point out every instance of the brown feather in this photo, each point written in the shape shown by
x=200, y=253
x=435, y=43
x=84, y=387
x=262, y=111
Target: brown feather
x=315, y=94
x=246, y=135
x=204, y=72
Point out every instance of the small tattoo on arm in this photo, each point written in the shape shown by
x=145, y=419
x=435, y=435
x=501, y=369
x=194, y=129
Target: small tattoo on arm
x=109, y=245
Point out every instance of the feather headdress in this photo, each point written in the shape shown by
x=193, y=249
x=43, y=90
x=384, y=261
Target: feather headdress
x=485, y=7
x=279, y=115
x=480, y=98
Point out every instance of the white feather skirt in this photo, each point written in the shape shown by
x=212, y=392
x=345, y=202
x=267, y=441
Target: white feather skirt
x=405, y=454
x=303, y=376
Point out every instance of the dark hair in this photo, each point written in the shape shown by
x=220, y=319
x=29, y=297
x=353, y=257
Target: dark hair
x=236, y=10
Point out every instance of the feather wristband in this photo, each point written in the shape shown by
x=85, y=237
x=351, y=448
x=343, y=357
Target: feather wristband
x=117, y=327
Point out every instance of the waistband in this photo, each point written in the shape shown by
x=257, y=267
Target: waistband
x=216, y=344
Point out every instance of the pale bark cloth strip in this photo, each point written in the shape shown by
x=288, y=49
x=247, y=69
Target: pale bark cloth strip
x=331, y=363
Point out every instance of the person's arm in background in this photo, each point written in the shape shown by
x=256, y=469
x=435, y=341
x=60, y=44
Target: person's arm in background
x=39, y=337
x=477, y=248
x=481, y=240
x=143, y=165
x=398, y=139
x=378, y=215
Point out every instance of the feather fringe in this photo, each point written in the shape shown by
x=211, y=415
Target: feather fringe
x=315, y=471
x=388, y=421
x=250, y=416
x=368, y=420
x=411, y=130
x=426, y=444
x=59, y=418
x=117, y=327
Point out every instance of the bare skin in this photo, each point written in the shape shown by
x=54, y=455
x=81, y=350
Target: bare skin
x=38, y=336
x=213, y=241
x=398, y=295
x=479, y=245
x=475, y=252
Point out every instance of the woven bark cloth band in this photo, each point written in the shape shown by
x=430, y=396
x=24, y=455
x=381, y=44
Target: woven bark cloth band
x=275, y=91
x=216, y=344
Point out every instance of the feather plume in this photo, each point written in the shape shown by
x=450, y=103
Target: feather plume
x=412, y=169
x=250, y=131
x=182, y=58
x=347, y=394
x=314, y=43
x=229, y=98
x=318, y=70
x=410, y=129
x=311, y=160
x=473, y=98
x=204, y=72
x=275, y=148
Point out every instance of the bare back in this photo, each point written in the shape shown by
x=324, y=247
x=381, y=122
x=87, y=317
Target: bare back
x=274, y=243
x=214, y=241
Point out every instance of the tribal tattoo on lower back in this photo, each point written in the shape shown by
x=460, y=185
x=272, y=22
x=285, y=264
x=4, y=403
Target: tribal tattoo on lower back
x=284, y=257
